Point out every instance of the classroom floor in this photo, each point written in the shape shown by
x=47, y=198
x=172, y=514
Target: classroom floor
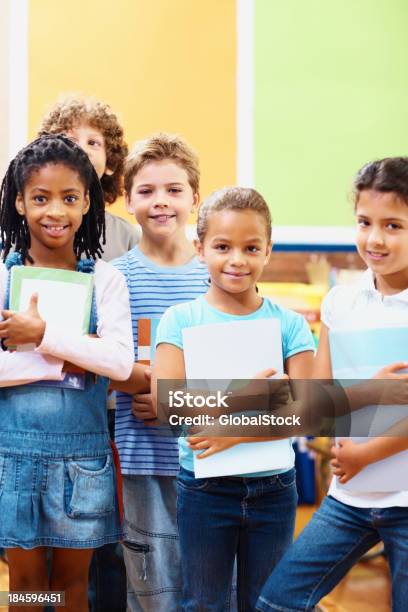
x=366, y=588
x=3, y=580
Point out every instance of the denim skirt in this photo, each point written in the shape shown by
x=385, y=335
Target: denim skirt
x=57, y=474
x=55, y=498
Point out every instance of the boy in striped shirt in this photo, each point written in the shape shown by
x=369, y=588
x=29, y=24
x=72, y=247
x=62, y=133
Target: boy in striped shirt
x=161, y=190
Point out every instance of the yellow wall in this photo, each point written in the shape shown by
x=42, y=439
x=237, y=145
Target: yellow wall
x=161, y=64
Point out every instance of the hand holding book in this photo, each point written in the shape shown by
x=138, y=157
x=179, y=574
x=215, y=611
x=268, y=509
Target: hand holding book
x=22, y=327
x=209, y=445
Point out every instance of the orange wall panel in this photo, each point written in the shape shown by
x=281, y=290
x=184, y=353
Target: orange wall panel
x=162, y=65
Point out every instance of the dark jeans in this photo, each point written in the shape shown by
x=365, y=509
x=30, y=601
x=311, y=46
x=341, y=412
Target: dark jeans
x=107, y=580
x=107, y=573
x=223, y=518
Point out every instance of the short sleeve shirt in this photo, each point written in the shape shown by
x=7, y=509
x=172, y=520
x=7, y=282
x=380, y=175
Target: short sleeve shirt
x=296, y=338
x=356, y=306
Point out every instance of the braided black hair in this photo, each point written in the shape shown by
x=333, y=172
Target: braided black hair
x=51, y=149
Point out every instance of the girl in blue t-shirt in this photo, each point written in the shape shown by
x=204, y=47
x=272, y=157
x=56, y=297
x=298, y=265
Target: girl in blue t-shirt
x=250, y=516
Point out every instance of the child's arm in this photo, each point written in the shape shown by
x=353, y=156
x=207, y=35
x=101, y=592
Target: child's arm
x=142, y=407
x=168, y=365
x=350, y=458
x=138, y=385
x=298, y=366
x=22, y=327
x=138, y=382
x=25, y=367
x=364, y=393
x=214, y=444
x=322, y=369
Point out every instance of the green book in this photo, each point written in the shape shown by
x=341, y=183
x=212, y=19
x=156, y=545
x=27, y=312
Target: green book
x=64, y=297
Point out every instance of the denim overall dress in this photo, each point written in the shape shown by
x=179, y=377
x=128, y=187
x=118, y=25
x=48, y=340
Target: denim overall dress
x=57, y=474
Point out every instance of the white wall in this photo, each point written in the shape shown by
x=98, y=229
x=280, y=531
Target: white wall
x=5, y=84
x=13, y=78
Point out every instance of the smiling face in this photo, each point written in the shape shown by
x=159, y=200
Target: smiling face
x=53, y=203
x=161, y=199
x=91, y=140
x=382, y=236
x=235, y=248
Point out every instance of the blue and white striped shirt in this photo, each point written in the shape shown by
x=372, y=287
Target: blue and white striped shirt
x=152, y=289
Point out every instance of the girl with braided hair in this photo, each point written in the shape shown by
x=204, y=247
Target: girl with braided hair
x=57, y=475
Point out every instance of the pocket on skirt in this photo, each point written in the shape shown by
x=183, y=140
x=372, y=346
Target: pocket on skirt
x=90, y=487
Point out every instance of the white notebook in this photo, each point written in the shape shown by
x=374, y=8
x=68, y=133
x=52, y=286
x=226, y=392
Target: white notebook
x=359, y=354
x=64, y=296
x=228, y=351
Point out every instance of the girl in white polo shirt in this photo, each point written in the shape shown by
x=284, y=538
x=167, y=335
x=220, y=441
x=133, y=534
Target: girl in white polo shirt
x=348, y=523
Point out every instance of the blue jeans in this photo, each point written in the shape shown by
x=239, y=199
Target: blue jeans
x=220, y=518
x=107, y=580
x=151, y=545
x=327, y=548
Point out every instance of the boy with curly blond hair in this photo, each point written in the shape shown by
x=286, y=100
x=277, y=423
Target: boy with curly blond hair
x=94, y=127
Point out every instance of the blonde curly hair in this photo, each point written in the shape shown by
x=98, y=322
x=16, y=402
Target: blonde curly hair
x=69, y=112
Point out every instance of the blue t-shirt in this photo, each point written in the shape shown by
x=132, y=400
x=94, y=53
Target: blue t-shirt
x=296, y=338
x=152, y=289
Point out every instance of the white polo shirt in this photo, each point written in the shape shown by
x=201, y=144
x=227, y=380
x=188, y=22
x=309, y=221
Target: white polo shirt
x=361, y=306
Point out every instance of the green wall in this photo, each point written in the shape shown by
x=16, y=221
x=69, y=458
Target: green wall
x=331, y=93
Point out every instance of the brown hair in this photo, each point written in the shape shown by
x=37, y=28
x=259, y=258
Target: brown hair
x=69, y=112
x=233, y=198
x=159, y=147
